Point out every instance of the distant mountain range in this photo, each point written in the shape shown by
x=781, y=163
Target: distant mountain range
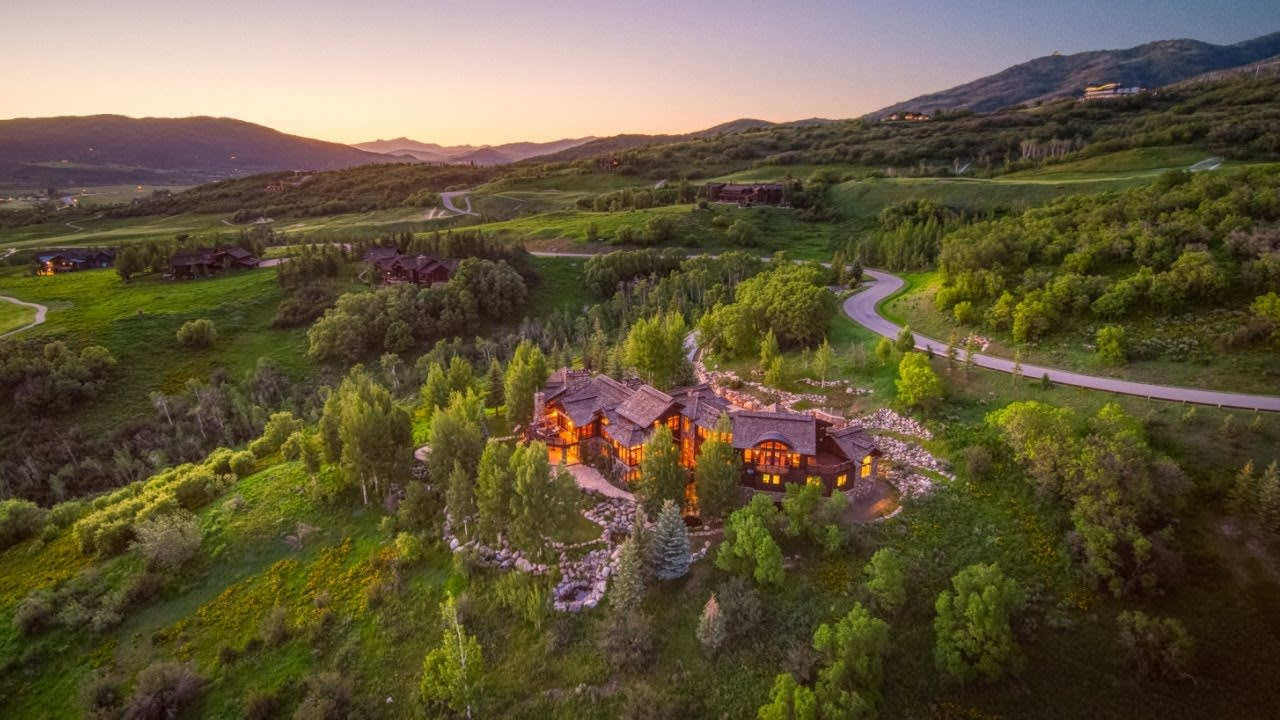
x=1151, y=66
x=113, y=149
x=477, y=154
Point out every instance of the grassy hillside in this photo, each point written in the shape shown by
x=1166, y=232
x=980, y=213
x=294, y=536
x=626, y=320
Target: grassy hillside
x=137, y=322
x=291, y=582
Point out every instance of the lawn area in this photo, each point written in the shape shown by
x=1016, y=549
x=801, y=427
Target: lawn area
x=861, y=200
x=1147, y=162
x=567, y=230
x=14, y=316
x=1069, y=347
x=137, y=322
x=559, y=286
x=211, y=230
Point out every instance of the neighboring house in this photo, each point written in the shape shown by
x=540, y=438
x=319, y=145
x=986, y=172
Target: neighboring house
x=53, y=262
x=203, y=262
x=1110, y=90
x=392, y=267
x=745, y=194
x=587, y=418
x=907, y=117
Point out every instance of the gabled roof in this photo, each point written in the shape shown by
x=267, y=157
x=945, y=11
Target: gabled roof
x=78, y=254
x=701, y=405
x=796, y=430
x=853, y=442
x=582, y=399
x=627, y=433
x=645, y=405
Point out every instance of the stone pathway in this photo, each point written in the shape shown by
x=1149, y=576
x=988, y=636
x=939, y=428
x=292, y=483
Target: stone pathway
x=589, y=479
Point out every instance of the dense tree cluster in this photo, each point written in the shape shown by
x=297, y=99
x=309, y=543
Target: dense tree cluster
x=363, y=429
x=401, y=317
x=603, y=273
x=908, y=235
x=789, y=300
x=43, y=381
x=1184, y=242
x=973, y=624
x=655, y=349
x=1121, y=494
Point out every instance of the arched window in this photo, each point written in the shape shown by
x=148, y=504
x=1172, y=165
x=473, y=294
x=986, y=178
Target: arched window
x=775, y=454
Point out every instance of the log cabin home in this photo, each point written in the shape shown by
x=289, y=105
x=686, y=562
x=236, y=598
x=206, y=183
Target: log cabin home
x=594, y=419
x=745, y=194
x=53, y=262
x=393, y=267
x=204, y=262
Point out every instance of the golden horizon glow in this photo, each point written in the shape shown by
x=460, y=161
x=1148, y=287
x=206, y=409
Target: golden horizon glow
x=491, y=72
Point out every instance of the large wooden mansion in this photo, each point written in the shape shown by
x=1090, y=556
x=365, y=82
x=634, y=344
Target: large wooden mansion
x=1107, y=91
x=203, y=262
x=73, y=259
x=587, y=418
x=393, y=267
x=752, y=194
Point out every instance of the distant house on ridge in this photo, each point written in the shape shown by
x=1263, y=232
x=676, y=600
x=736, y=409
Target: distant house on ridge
x=203, y=262
x=745, y=194
x=53, y=262
x=393, y=267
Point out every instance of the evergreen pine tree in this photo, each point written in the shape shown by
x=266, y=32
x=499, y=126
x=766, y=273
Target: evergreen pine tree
x=711, y=626
x=1243, y=495
x=640, y=531
x=769, y=350
x=1269, y=498
x=669, y=546
x=493, y=396
x=461, y=500
x=628, y=582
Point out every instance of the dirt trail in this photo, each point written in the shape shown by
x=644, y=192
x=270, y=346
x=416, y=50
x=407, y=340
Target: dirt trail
x=41, y=311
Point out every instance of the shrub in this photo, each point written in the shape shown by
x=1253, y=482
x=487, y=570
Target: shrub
x=197, y=334
x=101, y=696
x=279, y=428
x=261, y=705
x=275, y=626
x=19, y=520
x=740, y=604
x=328, y=698
x=409, y=547
x=34, y=612
x=65, y=513
x=886, y=580
x=168, y=541
x=242, y=463
x=626, y=639
x=163, y=689
x=1157, y=647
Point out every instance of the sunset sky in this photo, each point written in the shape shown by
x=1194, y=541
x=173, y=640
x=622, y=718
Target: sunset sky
x=492, y=72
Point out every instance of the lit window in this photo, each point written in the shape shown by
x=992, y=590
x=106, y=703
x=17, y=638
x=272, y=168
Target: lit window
x=813, y=480
x=866, y=466
x=841, y=480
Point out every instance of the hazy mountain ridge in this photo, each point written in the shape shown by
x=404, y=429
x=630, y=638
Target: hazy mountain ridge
x=477, y=154
x=1152, y=65
x=104, y=149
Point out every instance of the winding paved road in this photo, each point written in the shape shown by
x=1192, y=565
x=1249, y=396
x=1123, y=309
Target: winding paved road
x=862, y=309
x=41, y=310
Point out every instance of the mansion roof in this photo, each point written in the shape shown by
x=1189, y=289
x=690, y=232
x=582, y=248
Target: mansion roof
x=630, y=411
